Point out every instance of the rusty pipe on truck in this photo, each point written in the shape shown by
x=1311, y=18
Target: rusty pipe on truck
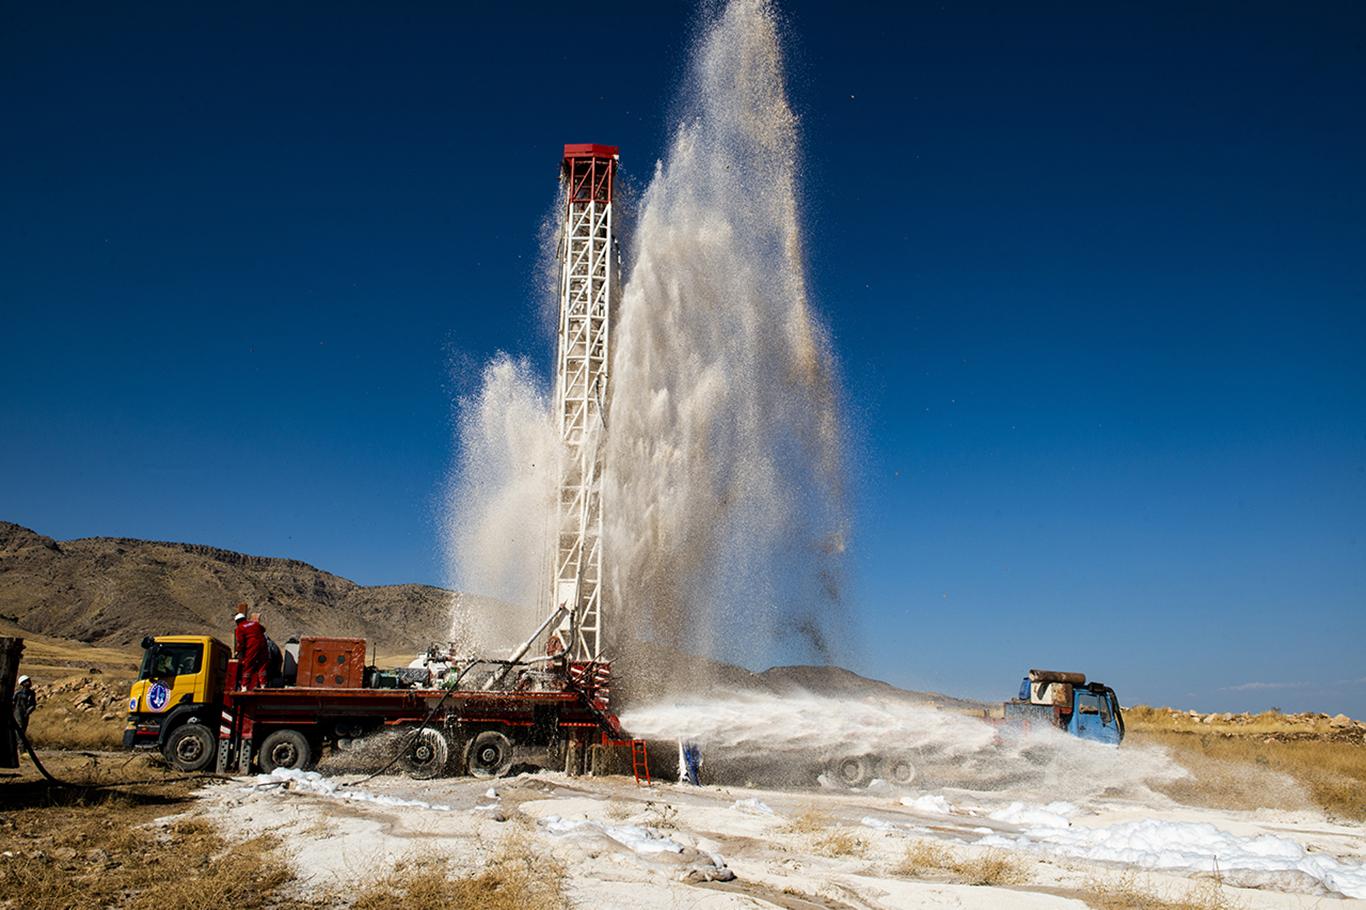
x=1057, y=676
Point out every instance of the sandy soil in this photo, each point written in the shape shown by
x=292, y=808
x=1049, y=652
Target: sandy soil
x=672, y=846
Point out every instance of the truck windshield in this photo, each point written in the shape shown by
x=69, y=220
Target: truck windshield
x=163, y=661
x=1088, y=703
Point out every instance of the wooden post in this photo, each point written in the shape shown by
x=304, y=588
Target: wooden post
x=10, y=649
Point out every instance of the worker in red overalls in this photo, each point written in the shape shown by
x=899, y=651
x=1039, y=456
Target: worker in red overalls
x=252, y=652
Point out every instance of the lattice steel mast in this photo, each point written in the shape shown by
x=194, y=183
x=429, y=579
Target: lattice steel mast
x=587, y=285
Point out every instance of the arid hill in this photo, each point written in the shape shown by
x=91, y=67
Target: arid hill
x=110, y=592
x=113, y=591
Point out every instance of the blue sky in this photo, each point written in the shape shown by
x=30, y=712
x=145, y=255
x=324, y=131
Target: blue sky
x=1096, y=275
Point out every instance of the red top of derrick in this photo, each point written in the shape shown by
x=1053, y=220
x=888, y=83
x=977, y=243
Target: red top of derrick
x=589, y=150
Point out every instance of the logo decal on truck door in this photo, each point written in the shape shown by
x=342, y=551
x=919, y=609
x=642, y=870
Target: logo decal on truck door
x=157, y=696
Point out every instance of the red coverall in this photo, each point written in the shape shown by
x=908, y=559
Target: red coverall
x=251, y=655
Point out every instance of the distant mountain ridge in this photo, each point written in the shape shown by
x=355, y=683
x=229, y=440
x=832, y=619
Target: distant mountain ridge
x=114, y=590
x=111, y=591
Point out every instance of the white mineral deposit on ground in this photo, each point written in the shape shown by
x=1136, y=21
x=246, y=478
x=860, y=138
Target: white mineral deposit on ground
x=621, y=846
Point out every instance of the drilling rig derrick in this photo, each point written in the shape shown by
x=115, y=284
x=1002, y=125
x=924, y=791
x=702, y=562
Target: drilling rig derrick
x=588, y=266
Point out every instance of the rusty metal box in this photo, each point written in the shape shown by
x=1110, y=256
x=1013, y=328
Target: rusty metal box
x=333, y=663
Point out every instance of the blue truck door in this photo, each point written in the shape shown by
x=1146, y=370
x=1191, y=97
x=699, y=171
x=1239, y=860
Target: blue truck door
x=1093, y=719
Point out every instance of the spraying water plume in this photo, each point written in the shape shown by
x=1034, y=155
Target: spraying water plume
x=797, y=738
x=724, y=512
x=725, y=520
x=499, y=522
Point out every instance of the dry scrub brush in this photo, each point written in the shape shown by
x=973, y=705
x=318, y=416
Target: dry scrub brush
x=515, y=877
x=1128, y=893
x=619, y=811
x=809, y=822
x=841, y=842
x=925, y=858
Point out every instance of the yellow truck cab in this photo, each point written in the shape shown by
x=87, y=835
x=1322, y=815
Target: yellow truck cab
x=174, y=704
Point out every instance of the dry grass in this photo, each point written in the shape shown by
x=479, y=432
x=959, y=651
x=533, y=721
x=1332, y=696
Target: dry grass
x=51, y=730
x=619, y=811
x=1128, y=893
x=93, y=848
x=928, y=859
x=809, y=822
x=994, y=867
x=516, y=877
x=841, y=842
x=922, y=858
x=1249, y=772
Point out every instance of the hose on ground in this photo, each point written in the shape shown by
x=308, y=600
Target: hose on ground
x=55, y=781
x=411, y=740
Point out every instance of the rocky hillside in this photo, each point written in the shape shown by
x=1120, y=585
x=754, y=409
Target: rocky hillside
x=113, y=591
x=1268, y=726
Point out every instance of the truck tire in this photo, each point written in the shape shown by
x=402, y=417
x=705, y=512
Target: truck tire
x=427, y=756
x=190, y=747
x=489, y=755
x=285, y=749
x=851, y=770
x=898, y=770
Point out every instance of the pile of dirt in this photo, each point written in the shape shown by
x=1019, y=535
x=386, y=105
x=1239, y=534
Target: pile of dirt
x=72, y=700
x=113, y=591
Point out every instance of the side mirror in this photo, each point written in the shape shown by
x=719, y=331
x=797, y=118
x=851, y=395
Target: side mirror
x=147, y=642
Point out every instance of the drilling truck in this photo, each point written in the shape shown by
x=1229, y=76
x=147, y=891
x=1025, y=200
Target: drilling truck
x=479, y=717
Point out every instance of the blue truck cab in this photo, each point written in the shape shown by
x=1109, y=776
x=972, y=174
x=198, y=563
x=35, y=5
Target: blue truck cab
x=1066, y=701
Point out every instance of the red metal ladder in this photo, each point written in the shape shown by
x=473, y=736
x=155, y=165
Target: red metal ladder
x=640, y=758
x=640, y=761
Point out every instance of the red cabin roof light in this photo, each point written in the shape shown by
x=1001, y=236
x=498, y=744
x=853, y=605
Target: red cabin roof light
x=589, y=150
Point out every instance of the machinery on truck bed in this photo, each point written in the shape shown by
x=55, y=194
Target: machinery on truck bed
x=473, y=716
x=1068, y=702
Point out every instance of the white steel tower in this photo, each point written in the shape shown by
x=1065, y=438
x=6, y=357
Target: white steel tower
x=587, y=285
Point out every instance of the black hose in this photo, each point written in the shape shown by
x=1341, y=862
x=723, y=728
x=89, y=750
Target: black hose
x=411, y=740
x=55, y=781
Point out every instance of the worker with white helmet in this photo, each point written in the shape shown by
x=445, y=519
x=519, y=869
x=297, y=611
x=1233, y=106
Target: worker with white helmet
x=252, y=653
x=24, y=702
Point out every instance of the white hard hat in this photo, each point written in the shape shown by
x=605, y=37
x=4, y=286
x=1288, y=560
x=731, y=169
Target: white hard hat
x=239, y=617
x=23, y=679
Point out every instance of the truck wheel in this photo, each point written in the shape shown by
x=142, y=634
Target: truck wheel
x=285, y=749
x=851, y=771
x=898, y=770
x=489, y=754
x=428, y=755
x=190, y=747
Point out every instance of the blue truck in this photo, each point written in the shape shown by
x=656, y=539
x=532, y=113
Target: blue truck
x=1068, y=702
